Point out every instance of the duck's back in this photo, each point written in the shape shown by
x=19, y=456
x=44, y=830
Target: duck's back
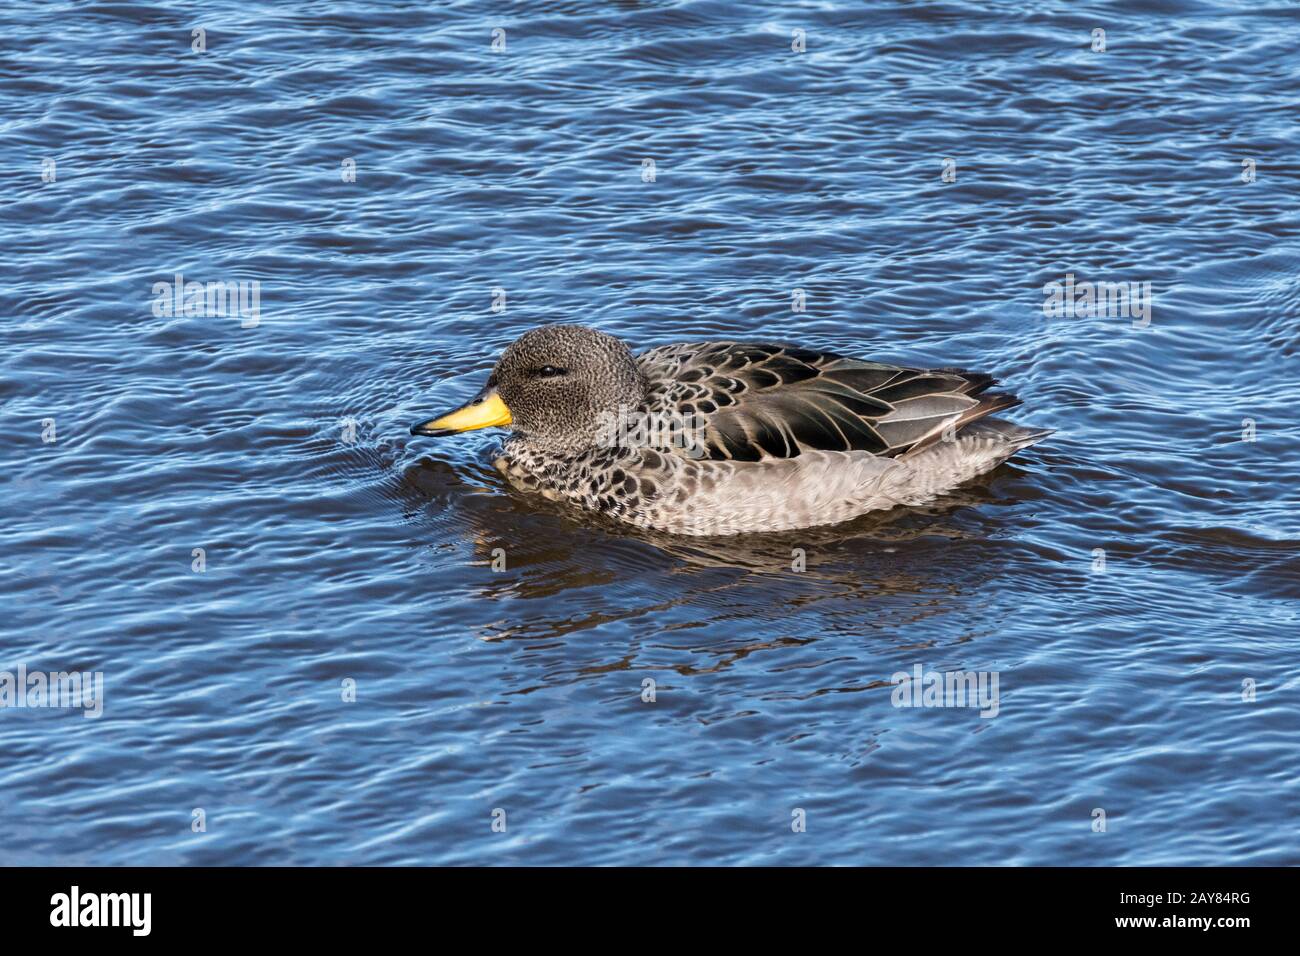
x=760, y=401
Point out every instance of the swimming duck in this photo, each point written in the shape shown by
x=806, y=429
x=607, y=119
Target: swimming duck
x=719, y=438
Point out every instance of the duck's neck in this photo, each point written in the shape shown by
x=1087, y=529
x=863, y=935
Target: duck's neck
x=618, y=426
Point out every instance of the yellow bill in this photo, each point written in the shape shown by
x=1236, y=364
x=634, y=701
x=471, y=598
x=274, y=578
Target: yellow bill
x=484, y=411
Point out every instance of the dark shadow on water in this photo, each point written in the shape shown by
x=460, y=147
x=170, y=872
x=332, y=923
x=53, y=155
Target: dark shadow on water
x=829, y=610
x=578, y=571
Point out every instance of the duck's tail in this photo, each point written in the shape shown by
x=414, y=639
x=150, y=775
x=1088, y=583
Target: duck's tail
x=976, y=449
x=1012, y=434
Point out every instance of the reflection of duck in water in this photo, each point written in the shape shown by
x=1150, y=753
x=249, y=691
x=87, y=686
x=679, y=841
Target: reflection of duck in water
x=726, y=437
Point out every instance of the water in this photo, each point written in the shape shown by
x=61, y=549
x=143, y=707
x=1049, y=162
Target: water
x=329, y=559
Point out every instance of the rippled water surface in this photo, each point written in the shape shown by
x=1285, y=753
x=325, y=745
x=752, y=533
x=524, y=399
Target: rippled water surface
x=339, y=548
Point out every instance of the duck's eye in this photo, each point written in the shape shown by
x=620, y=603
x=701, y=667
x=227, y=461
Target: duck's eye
x=549, y=371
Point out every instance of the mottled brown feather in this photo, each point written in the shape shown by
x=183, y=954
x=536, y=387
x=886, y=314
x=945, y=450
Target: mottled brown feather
x=759, y=401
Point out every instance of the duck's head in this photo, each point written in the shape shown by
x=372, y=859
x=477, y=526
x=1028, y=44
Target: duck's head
x=554, y=384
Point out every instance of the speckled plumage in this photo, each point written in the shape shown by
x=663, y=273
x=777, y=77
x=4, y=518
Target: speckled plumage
x=775, y=437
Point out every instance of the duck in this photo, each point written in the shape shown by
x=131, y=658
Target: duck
x=726, y=438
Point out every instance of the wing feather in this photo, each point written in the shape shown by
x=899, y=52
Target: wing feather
x=756, y=401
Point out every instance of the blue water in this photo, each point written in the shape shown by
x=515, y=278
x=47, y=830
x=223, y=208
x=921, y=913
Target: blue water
x=338, y=548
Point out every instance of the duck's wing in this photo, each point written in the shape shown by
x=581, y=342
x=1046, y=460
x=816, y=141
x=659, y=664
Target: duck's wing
x=749, y=402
